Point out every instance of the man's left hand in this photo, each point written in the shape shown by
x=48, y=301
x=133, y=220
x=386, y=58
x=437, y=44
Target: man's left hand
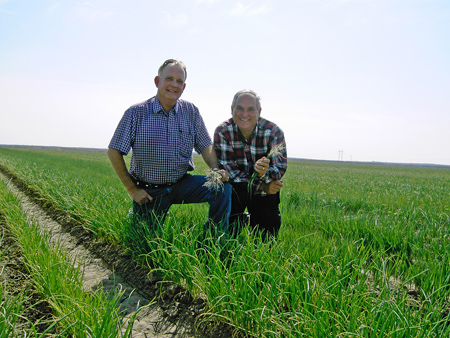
x=272, y=188
x=224, y=174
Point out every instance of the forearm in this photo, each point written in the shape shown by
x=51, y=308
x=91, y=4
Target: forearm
x=119, y=166
x=210, y=158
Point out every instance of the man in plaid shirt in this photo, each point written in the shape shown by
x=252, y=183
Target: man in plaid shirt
x=243, y=145
x=162, y=132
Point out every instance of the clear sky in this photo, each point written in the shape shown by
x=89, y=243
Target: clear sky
x=370, y=78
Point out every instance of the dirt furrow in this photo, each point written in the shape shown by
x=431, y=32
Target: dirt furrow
x=169, y=309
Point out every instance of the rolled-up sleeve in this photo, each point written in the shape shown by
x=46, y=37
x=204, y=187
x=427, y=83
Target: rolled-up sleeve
x=125, y=133
x=202, y=138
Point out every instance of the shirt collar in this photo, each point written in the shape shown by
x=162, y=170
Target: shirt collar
x=158, y=108
x=238, y=132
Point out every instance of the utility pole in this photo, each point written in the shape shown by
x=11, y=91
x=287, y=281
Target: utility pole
x=340, y=155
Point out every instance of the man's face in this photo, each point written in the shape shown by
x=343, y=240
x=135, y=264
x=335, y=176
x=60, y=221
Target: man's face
x=170, y=84
x=245, y=114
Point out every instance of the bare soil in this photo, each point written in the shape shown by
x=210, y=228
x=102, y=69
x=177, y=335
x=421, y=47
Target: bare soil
x=171, y=311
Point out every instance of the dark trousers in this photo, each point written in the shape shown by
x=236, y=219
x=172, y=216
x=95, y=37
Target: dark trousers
x=263, y=211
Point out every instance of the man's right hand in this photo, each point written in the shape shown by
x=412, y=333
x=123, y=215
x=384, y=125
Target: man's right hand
x=140, y=196
x=261, y=166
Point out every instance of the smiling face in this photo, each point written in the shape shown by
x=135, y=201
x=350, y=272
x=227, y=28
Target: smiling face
x=246, y=114
x=170, y=84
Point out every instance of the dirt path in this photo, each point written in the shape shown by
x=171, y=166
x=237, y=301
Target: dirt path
x=170, y=310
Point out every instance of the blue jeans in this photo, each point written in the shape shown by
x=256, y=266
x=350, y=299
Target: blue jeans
x=188, y=189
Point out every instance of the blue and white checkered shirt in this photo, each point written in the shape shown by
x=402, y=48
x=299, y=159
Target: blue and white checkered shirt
x=162, y=143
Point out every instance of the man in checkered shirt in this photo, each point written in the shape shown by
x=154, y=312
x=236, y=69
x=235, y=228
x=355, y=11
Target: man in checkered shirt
x=162, y=132
x=243, y=144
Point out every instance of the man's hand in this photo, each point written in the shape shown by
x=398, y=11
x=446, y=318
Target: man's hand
x=261, y=166
x=140, y=196
x=271, y=188
x=224, y=174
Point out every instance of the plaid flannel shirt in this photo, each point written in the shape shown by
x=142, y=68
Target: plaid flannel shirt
x=238, y=155
x=162, y=142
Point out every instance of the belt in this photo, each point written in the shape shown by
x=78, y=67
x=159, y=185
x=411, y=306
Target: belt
x=147, y=185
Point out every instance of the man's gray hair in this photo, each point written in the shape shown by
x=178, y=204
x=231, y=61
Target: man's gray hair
x=173, y=62
x=247, y=91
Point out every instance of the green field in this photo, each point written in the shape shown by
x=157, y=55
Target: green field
x=363, y=250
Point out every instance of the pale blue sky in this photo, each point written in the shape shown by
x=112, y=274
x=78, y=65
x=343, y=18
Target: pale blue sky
x=369, y=77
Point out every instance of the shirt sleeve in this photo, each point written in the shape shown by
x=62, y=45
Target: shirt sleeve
x=278, y=161
x=202, y=138
x=226, y=156
x=125, y=133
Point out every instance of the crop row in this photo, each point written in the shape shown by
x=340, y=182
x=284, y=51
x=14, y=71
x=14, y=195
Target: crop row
x=363, y=249
x=71, y=310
